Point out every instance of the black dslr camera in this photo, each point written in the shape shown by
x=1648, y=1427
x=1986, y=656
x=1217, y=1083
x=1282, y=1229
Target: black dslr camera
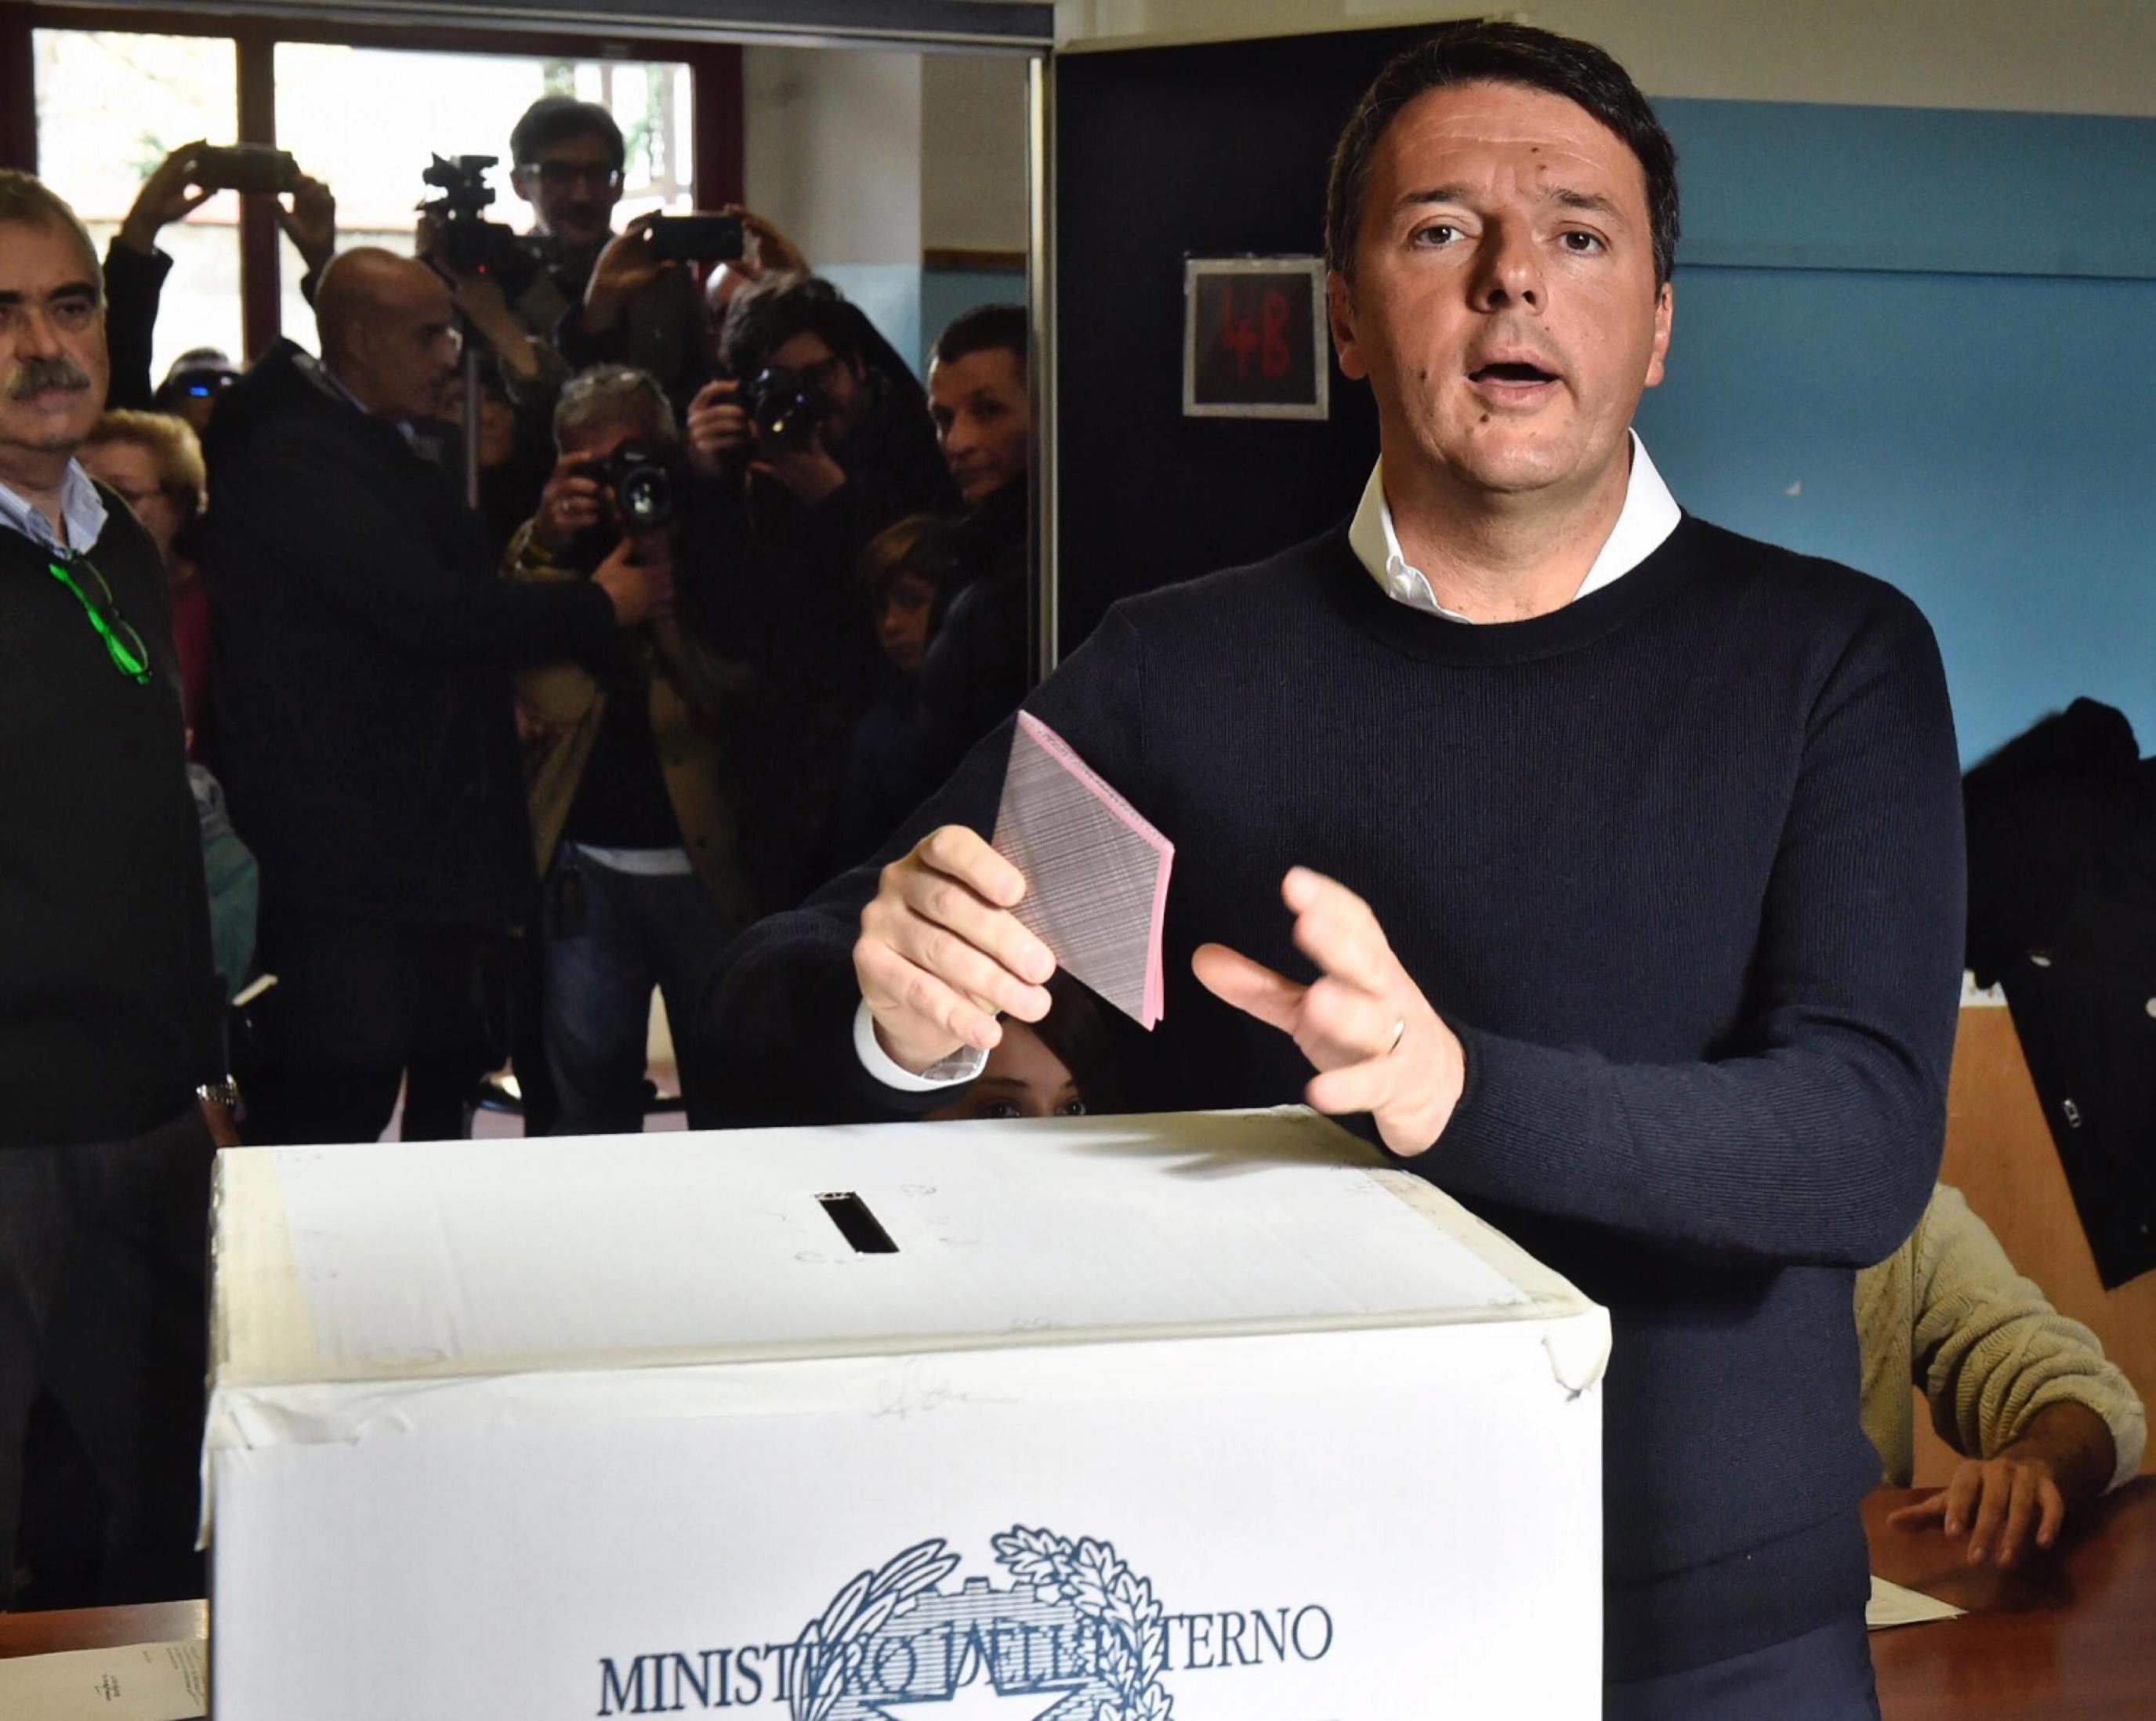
x=639, y=476
x=465, y=239
x=786, y=406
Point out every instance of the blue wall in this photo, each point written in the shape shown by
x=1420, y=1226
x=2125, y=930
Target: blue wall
x=1924, y=343
x=946, y=292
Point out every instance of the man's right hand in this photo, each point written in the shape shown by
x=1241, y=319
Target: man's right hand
x=169, y=194
x=638, y=577
x=717, y=426
x=941, y=953
x=572, y=501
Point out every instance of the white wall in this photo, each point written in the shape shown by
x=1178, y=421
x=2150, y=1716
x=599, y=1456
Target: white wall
x=868, y=159
x=2056, y=56
x=831, y=145
x=973, y=141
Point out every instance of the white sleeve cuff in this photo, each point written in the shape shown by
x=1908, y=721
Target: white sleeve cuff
x=963, y=1065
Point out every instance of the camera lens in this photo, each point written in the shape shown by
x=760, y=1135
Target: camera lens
x=645, y=497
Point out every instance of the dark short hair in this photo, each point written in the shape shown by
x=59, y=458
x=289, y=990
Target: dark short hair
x=556, y=119
x=1075, y=1031
x=763, y=317
x=27, y=201
x=1475, y=52
x=922, y=547
x=986, y=328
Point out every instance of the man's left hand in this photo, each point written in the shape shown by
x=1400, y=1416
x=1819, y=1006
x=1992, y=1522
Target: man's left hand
x=310, y=222
x=1377, y=1044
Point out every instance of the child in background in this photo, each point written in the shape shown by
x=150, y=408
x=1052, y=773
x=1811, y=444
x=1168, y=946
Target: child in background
x=904, y=573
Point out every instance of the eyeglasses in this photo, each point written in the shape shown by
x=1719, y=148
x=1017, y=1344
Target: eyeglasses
x=560, y=175
x=122, y=644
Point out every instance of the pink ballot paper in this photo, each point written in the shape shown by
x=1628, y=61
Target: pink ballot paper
x=1095, y=872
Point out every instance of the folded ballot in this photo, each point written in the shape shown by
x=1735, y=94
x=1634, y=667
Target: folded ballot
x=1095, y=872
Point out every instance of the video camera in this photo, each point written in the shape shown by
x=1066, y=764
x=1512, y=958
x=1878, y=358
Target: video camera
x=786, y=406
x=465, y=239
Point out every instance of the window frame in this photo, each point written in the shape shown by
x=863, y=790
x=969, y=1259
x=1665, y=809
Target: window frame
x=714, y=86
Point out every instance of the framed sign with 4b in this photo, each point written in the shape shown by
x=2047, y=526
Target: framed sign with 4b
x=1254, y=340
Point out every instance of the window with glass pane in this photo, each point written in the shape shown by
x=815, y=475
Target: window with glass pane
x=111, y=105
x=418, y=104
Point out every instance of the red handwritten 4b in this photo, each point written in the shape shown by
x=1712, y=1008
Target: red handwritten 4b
x=1262, y=337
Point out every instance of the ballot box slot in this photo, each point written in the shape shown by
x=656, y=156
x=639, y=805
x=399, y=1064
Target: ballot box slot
x=857, y=1225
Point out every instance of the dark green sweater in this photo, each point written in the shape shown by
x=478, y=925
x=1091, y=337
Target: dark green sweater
x=1681, y=862
x=109, y=1002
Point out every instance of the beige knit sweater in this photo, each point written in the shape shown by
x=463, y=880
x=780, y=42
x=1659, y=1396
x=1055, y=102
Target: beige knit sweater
x=1948, y=1312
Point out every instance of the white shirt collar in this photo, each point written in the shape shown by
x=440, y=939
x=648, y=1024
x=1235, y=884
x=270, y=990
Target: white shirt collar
x=82, y=511
x=1649, y=515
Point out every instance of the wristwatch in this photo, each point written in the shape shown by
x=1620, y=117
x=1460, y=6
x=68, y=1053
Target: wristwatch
x=225, y=1092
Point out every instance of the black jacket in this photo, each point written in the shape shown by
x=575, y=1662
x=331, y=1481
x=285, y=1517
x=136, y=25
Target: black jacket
x=361, y=640
x=2063, y=912
x=978, y=666
x=133, y=285
x=795, y=609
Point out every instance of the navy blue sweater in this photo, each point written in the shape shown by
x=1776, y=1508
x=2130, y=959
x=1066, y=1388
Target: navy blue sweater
x=1680, y=863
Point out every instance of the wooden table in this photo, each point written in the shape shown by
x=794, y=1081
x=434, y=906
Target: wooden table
x=102, y=1627
x=2069, y=1637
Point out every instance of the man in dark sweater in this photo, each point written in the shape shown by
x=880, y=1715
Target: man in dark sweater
x=109, y=1008
x=362, y=643
x=1648, y=943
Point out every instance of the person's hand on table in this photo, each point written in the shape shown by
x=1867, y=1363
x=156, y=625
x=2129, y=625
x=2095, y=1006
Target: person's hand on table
x=2021, y=1496
x=1376, y=1042
x=169, y=194
x=941, y=954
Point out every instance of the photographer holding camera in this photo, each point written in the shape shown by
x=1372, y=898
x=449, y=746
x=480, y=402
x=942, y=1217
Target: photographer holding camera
x=362, y=638
x=570, y=292
x=820, y=440
x=134, y=268
x=633, y=819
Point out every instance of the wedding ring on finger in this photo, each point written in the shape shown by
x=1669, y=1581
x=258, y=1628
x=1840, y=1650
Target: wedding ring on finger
x=1400, y=1033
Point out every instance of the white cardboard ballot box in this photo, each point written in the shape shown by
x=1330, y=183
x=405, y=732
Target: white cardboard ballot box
x=1210, y=1417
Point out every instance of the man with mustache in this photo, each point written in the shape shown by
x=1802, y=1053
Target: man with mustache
x=1620, y=860
x=110, y=1053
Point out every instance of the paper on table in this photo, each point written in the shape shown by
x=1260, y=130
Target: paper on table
x=142, y=1682
x=1890, y=1604
x=1096, y=872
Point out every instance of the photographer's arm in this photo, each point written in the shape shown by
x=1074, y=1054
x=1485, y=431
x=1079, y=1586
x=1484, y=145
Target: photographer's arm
x=309, y=221
x=377, y=570
x=134, y=271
